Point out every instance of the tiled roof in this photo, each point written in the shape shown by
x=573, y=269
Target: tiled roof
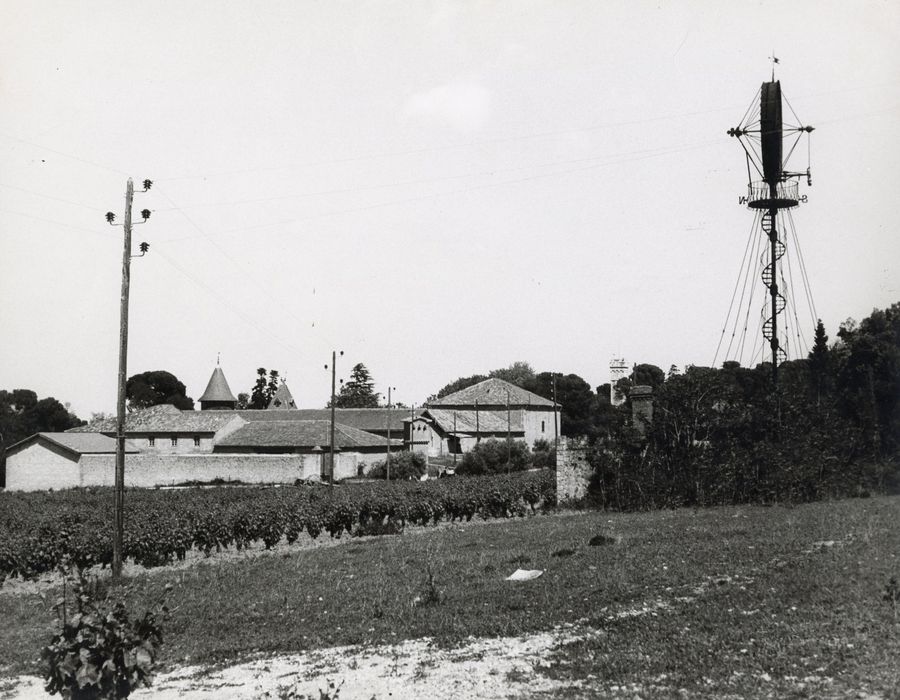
x=492, y=392
x=282, y=399
x=76, y=443
x=300, y=433
x=362, y=418
x=218, y=389
x=164, y=418
x=486, y=421
x=168, y=419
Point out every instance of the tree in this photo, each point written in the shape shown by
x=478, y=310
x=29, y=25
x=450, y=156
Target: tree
x=820, y=363
x=648, y=375
x=868, y=376
x=518, y=373
x=157, y=387
x=23, y=415
x=258, y=399
x=272, y=386
x=358, y=392
x=243, y=400
x=578, y=413
x=405, y=465
x=495, y=457
x=458, y=385
x=263, y=390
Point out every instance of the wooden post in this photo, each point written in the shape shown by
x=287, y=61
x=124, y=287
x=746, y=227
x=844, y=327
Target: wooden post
x=387, y=459
x=555, y=420
x=455, y=437
x=331, y=442
x=119, y=516
x=508, y=434
x=477, y=426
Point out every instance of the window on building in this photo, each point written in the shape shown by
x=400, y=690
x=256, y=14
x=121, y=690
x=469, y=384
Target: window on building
x=174, y=440
x=151, y=441
x=196, y=441
x=542, y=426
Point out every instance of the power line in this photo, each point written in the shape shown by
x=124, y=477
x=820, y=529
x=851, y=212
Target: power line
x=615, y=158
x=230, y=259
x=418, y=198
x=431, y=149
x=47, y=196
x=225, y=303
x=64, y=155
x=61, y=224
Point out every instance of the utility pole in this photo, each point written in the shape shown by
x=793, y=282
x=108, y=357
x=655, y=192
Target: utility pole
x=508, y=433
x=555, y=412
x=477, y=426
x=119, y=516
x=387, y=460
x=333, y=401
x=456, y=438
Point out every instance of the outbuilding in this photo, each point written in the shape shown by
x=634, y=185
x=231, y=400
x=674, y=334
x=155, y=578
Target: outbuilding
x=60, y=460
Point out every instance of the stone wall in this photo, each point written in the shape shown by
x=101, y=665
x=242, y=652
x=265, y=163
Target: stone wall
x=148, y=470
x=573, y=473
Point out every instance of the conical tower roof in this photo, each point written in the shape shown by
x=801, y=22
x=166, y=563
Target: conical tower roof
x=282, y=398
x=218, y=389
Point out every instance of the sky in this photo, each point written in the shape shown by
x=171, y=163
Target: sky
x=437, y=189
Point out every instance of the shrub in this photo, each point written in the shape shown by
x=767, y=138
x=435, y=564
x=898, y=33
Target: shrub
x=495, y=457
x=405, y=465
x=99, y=654
x=543, y=455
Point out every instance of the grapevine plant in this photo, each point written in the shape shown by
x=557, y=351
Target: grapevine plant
x=99, y=654
x=38, y=531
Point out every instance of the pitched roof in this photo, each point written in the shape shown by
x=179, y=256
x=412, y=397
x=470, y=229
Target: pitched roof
x=218, y=389
x=163, y=418
x=300, y=433
x=363, y=418
x=74, y=443
x=484, y=422
x=492, y=392
x=282, y=399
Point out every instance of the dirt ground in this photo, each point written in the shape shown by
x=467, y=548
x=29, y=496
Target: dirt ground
x=483, y=668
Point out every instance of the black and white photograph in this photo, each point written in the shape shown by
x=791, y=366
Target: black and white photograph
x=449, y=349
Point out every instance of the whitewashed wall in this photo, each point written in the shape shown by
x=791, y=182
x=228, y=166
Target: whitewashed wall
x=39, y=467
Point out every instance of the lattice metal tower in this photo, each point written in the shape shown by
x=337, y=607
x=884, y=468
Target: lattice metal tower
x=762, y=135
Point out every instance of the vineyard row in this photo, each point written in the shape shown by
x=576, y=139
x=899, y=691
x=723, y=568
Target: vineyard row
x=41, y=531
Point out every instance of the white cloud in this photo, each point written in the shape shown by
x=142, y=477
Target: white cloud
x=461, y=106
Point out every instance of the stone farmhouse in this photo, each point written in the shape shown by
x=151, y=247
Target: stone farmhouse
x=494, y=408
x=166, y=446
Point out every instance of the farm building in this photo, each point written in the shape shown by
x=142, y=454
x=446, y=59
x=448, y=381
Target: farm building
x=281, y=444
x=493, y=408
x=58, y=460
x=168, y=446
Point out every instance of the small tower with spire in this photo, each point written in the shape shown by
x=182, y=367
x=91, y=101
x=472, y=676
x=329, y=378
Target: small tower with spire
x=282, y=399
x=218, y=396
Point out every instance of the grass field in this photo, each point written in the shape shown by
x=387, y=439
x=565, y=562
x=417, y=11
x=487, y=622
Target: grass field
x=741, y=601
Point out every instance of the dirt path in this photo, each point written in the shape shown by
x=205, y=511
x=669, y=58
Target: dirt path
x=483, y=668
